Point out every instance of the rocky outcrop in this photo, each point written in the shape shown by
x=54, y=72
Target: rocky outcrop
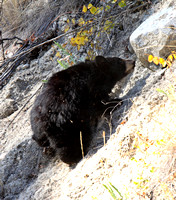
x=157, y=34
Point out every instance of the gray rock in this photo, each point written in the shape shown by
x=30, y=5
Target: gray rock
x=156, y=35
x=7, y=107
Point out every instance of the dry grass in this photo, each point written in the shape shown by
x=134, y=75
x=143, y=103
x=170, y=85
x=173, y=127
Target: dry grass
x=154, y=162
x=31, y=16
x=13, y=11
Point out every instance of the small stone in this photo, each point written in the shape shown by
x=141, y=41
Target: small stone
x=7, y=107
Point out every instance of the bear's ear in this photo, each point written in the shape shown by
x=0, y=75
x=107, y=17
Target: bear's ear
x=100, y=61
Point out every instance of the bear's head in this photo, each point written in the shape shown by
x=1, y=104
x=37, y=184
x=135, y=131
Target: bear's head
x=115, y=68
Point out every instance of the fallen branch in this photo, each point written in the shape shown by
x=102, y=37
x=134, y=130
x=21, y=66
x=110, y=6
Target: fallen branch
x=24, y=51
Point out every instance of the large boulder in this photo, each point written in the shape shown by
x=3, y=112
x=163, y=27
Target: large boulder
x=156, y=35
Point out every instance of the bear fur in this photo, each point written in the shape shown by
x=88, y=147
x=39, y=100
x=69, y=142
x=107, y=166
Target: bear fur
x=70, y=100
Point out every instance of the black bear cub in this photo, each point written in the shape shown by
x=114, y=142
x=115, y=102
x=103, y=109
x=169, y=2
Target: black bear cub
x=62, y=113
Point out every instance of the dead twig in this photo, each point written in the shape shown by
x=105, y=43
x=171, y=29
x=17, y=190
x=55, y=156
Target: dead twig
x=24, y=51
x=82, y=150
x=13, y=38
x=2, y=46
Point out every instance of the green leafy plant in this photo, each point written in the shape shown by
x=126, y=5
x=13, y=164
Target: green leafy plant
x=170, y=92
x=112, y=190
x=44, y=81
x=122, y=3
x=68, y=60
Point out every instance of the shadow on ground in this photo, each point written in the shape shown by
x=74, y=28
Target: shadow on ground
x=21, y=167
